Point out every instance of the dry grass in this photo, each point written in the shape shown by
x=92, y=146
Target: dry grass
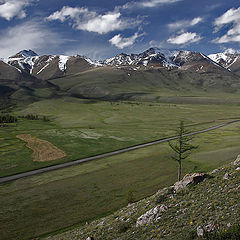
x=43, y=151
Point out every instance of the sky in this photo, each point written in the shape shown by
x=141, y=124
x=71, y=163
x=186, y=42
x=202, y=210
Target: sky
x=100, y=29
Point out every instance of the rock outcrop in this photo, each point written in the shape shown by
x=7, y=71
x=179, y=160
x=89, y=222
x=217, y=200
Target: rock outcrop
x=188, y=179
x=151, y=216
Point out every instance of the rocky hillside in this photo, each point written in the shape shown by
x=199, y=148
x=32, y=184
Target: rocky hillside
x=48, y=66
x=155, y=57
x=143, y=76
x=54, y=66
x=229, y=61
x=201, y=206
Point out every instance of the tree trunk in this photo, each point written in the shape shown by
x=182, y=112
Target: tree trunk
x=179, y=169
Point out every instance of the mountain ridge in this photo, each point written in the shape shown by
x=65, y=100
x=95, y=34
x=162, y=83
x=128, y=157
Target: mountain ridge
x=125, y=77
x=29, y=61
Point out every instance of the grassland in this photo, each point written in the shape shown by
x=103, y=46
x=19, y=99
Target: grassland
x=69, y=197
x=212, y=205
x=83, y=128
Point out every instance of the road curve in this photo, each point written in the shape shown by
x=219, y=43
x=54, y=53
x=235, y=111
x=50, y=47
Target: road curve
x=75, y=162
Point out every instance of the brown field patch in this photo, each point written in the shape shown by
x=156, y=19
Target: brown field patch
x=43, y=151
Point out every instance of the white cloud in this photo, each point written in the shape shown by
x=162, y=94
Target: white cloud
x=83, y=19
x=184, y=23
x=231, y=51
x=29, y=35
x=121, y=42
x=147, y=4
x=232, y=16
x=67, y=13
x=13, y=8
x=154, y=3
x=185, y=38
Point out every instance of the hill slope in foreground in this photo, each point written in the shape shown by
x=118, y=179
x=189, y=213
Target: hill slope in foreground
x=186, y=210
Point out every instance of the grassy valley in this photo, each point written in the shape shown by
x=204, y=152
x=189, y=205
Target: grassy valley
x=87, y=127
x=99, y=110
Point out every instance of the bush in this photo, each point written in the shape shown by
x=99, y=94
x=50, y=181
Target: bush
x=123, y=227
x=30, y=117
x=130, y=198
x=8, y=119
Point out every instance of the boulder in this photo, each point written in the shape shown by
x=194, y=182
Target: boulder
x=211, y=227
x=226, y=176
x=152, y=215
x=200, y=231
x=237, y=161
x=215, y=171
x=194, y=178
x=90, y=238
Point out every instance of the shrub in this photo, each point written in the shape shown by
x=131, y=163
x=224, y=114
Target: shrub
x=8, y=119
x=130, y=198
x=123, y=227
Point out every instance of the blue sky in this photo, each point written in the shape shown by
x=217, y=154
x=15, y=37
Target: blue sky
x=102, y=29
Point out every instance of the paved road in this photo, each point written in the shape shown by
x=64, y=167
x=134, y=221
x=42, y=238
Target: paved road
x=68, y=164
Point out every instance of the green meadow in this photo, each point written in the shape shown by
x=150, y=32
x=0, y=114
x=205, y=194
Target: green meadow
x=62, y=199
x=83, y=128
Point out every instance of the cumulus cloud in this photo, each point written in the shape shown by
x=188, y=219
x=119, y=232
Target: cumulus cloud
x=185, y=38
x=121, y=42
x=83, y=19
x=13, y=8
x=184, y=23
x=33, y=36
x=231, y=17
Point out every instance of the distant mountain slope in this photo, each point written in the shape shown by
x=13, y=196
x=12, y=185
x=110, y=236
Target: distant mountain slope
x=114, y=83
x=19, y=85
x=227, y=60
x=134, y=76
x=48, y=66
x=155, y=57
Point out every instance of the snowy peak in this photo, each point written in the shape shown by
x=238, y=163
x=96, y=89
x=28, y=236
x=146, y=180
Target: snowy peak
x=225, y=59
x=170, y=59
x=49, y=66
x=24, y=54
x=150, y=57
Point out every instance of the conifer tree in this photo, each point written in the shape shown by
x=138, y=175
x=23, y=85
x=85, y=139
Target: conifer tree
x=182, y=147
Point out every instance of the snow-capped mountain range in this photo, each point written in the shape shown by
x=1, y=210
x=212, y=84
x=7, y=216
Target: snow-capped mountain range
x=47, y=66
x=230, y=61
x=52, y=66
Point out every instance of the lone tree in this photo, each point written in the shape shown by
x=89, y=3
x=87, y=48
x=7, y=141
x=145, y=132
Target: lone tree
x=182, y=147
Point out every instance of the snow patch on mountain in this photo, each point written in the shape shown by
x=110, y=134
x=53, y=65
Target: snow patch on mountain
x=42, y=68
x=50, y=58
x=94, y=63
x=225, y=59
x=62, y=64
